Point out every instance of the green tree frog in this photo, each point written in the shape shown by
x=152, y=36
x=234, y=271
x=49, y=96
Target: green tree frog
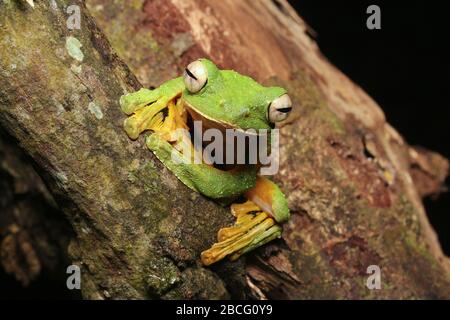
x=222, y=99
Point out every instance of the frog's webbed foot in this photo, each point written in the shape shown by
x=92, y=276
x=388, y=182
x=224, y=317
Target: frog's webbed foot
x=254, y=226
x=155, y=110
x=252, y=229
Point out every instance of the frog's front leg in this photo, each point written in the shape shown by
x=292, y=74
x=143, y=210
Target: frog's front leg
x=145, y=107
x=258, y=222
x=201, y=177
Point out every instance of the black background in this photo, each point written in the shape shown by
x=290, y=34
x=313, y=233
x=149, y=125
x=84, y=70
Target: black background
x=403, y=66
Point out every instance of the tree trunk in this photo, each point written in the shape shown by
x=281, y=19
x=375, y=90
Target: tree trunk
x=353, y=185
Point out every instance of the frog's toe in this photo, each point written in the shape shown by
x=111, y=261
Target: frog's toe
x=131, y=127
x=131, y=102
x=253, y=228
x=148, y=118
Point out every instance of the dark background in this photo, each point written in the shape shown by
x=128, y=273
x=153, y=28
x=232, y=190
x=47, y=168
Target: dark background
x=403, y=66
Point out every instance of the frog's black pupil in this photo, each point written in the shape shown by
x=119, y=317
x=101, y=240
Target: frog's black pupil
x=285, y=110
x=190, y=74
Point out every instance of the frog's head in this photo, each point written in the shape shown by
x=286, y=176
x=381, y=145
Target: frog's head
x=235, y=101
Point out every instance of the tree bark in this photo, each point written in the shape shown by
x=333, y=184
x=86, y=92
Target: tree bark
x=353, y=184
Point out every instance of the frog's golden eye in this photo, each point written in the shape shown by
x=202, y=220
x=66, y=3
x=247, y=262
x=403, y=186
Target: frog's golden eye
x=279, y=108
x=195, y=76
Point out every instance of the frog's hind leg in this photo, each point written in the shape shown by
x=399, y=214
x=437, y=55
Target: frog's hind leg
x=254, y=225
x=252, y=229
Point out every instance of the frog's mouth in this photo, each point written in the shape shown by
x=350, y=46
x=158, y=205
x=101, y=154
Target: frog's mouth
x=207, y=122
x=230, y=141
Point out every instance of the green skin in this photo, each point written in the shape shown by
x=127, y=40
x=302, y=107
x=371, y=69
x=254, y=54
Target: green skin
x=229, y=99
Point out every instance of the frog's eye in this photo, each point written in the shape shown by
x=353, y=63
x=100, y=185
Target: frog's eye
x=195, y=76
x=279, y=108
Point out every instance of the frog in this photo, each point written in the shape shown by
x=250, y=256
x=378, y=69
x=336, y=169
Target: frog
x=224, y=100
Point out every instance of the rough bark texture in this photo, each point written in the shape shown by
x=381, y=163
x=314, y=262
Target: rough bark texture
x=354, y=186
